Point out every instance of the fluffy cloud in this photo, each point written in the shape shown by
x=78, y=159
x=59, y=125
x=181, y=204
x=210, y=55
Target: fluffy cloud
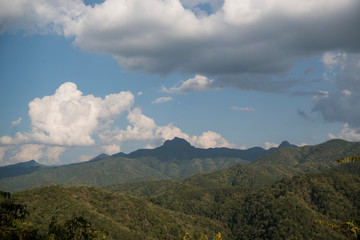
x=68, y=118
x=269, y=145
x=198, y=83
x=210, y=139
x=162, y=100
x=347, y=133
x=143, y=128
x=39, y=15
x=29, y=152
x=237, y=45
x=53, y=154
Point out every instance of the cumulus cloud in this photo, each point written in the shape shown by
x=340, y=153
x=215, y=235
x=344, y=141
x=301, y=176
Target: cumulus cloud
x=53, y=154
x=144, y=128
x=162, y=100
x=29, y=152
x=241, y=39
x=39, y=15
x=197, y=83
x=69, y=118
x=347, y=133
x=269, y=145
x=210, y=139
x=247, y=109
x=111, y=148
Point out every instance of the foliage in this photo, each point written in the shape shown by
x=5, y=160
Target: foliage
x=351, y=228
x=13, y=222
x=349, y=159
x=75, y=228
x=284, y=210
x=117, y=215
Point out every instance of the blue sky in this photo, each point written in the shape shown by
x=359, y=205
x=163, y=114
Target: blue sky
x=78, y=79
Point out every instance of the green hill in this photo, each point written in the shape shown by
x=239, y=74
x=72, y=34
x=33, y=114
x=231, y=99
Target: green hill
x=117, y=215
x=311, y=158
x=285, y=210
x=265, y=171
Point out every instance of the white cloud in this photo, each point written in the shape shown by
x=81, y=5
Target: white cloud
x=347, y=133
x=143, y=128
x=69, y=118
x=53, y=154
x=332, y=60
x=162, y=100
x=249, y=109
x=269, y=145
x=16, y=122
x=210, y=139
x=28, y=152
x=39, y=15
x=198, y=83
x=111, y=149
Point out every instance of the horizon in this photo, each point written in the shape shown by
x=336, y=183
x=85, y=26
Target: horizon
x=81, y=78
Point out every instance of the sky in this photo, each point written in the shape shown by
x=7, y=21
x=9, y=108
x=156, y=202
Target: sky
x=81, y=78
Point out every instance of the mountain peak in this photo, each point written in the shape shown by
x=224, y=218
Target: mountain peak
x=286, y=144
x=178, y=143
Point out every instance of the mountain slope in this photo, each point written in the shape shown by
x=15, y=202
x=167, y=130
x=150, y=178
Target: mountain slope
x=117, y=215
x=20, y=169
x=285, y=210
x=279, y=164
x=311, y=158
x=97, y=173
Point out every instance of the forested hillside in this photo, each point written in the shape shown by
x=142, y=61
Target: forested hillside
x=287, y=209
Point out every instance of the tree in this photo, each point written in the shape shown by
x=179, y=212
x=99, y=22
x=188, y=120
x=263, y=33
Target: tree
x=77, y=228
x=13, y=220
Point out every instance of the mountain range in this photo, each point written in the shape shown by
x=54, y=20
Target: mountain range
x=176, y=158
x=173, y=209
x=177, y=190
